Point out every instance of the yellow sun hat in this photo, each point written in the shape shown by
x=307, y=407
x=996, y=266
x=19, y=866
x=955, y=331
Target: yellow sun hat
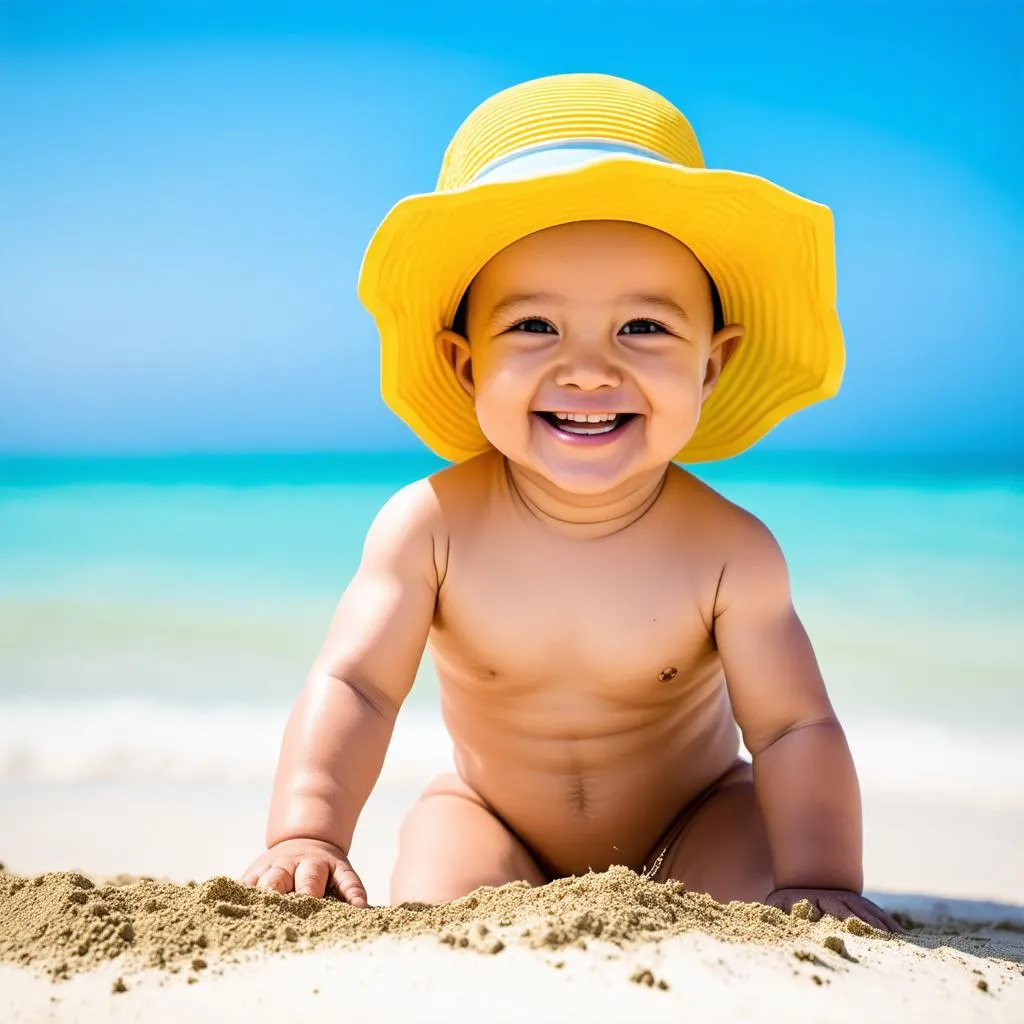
x=593, y=147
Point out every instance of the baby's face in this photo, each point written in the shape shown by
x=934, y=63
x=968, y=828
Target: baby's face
x=591, y=351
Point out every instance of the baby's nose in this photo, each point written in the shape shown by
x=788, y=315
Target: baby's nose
x=588, y=368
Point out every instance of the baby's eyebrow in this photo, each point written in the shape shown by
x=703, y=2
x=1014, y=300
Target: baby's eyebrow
x=640, y=299
x=510, y=301
x=660, y=301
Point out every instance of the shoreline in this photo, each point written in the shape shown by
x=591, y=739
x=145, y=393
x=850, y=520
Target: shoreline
x=940, y=844
x=946, y=863
x=185, y=830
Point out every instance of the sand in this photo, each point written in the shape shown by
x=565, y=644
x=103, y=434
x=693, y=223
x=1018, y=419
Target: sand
x=950, y=865
x=63, y=922
x=616, y=942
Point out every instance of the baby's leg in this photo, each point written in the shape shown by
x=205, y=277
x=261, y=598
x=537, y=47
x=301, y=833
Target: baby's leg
x=718, y=844
x=451, y=843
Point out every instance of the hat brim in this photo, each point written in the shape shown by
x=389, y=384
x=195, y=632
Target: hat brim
x=771, y=254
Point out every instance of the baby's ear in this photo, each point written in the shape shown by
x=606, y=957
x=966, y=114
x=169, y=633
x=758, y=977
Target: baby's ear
x=724, y=343
x=455, y=351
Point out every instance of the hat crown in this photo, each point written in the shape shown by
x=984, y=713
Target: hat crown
x=566, y=108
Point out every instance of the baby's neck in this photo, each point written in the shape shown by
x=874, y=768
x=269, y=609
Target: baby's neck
x=584, y=516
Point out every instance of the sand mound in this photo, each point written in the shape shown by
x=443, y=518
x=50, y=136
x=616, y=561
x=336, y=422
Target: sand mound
x=63, y=923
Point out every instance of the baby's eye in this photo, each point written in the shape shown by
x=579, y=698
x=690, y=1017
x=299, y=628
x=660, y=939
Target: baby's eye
x=533, y=326
x=642, y=327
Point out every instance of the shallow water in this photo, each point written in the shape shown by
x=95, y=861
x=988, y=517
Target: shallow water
x=199, y=590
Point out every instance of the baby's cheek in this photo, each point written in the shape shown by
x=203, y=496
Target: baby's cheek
x=503, y=418
x=674, y=421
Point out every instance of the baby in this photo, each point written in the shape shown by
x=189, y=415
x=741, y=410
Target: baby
x=578, y=307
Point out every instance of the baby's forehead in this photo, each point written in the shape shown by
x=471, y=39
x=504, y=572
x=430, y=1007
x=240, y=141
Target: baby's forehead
x=592, y=257
x=588, y=262
x=590, y=234
x=592, y=245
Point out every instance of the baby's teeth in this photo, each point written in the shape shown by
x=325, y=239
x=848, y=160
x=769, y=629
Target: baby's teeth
x=582, y=417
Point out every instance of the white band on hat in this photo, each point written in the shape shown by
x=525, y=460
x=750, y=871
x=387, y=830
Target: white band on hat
x=562, y=154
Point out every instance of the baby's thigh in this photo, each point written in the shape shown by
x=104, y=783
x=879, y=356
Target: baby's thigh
x=450, y=843
x=720, y=846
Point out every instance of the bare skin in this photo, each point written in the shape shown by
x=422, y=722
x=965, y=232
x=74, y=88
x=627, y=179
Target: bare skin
x=604, y=625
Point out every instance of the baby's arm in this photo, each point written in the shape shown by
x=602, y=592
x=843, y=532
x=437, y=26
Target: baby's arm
x=339, y=730
x=804, y=777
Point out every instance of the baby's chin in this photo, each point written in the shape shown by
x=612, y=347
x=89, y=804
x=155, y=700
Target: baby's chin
x=587, y=471
x=581, y=477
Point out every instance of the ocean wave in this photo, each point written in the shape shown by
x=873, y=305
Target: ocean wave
x=138, y=740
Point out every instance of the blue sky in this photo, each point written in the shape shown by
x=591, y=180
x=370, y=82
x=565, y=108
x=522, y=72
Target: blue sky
x=186, y=191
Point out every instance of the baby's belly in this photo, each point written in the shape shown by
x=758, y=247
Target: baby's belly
x=590, y=798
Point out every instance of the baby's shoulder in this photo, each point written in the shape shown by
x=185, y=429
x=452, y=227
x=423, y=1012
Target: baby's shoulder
x=465, y=490
x=733, y=530
x=409, y=518
x=406, y=539
x=431, y=505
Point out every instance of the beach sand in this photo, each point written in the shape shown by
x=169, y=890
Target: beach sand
x=92, y=944
x=613, y=946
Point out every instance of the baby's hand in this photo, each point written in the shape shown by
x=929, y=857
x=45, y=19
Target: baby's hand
x=308, y=866
x=837, y=902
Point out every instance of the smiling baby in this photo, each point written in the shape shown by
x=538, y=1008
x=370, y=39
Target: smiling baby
x=579, y=309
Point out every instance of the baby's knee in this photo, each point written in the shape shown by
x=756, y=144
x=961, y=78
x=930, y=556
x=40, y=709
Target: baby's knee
x=451, y=843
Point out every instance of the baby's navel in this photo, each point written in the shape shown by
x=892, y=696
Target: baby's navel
x=667, y=673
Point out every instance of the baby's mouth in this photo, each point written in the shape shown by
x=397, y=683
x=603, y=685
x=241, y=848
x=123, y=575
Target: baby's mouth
x=587, y=423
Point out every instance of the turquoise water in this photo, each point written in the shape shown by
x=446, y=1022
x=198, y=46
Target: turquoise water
x=209, y=582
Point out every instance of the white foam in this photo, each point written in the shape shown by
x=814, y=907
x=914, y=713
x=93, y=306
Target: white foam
x=136, y=740
x=938, y=763
x=121, y=739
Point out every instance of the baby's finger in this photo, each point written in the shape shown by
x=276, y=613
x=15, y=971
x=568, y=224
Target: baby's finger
x=277, y=878
x=312, y=876
x=251, y=875
x=348, y=885
x=874, y=916
x=886, y=920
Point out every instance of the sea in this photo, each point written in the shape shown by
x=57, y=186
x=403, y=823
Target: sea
x=158, y=615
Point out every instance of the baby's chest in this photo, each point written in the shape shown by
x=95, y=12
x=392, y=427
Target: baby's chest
x=527, y=615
